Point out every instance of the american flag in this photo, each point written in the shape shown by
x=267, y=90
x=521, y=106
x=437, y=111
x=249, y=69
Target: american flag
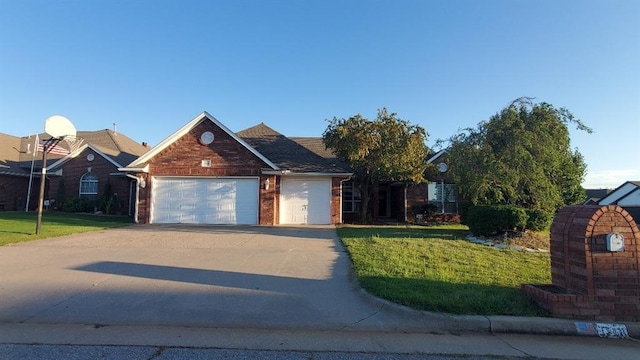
x=58, y=150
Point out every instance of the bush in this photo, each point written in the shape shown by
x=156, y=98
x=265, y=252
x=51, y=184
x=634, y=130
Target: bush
x=487, y=220
x=539, y=220
x=78, y=204
x=463, y=210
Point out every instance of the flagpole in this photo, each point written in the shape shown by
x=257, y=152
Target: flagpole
x=33, y=161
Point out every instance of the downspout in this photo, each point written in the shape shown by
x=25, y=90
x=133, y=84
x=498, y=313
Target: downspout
x=135, y=211
x=341, y=181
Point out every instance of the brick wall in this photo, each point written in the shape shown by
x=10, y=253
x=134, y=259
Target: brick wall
x=14, y=190
x=588, y=281
x=228, y=158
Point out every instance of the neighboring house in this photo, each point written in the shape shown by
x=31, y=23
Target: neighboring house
x=627, y=196
x=85, y=171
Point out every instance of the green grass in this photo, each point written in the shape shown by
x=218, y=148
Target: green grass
x=20, y=226
x=435, y=269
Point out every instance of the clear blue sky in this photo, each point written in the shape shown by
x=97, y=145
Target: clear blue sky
x=151, y=66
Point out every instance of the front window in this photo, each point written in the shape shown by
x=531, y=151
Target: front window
x=350, y=197
x=89, y=186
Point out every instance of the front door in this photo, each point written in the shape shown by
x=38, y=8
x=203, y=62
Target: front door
x=383, y=202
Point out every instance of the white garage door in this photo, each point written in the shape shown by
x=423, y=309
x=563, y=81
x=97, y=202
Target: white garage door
x=204, y=201
x=305, y=201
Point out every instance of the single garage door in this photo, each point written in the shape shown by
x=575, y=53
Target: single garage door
x=204, y=200
x=305, y=201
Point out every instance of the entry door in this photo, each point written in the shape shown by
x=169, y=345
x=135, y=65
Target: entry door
x=305, y=201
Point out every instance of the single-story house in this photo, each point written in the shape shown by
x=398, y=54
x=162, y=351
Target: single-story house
x=204, y=173
x=84, y=170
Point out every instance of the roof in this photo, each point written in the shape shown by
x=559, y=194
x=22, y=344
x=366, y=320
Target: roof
x=10, y=154
x=203, y=116
x=295, y=154
x=16, y=153
x=626, y=194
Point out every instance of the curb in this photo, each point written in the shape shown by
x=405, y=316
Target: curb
x=433, y=322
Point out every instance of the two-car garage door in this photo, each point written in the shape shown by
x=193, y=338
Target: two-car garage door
x=204, y=200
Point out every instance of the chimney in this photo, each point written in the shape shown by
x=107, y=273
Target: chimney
x=115, y=129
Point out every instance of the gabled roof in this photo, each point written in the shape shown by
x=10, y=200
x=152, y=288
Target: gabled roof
x=78, y=152
x=436, y=156
x=204, y=116
x=296, y=154
x=120, y=148
x=625, y=194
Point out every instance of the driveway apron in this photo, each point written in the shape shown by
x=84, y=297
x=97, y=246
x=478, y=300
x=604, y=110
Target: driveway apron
x=213, y=276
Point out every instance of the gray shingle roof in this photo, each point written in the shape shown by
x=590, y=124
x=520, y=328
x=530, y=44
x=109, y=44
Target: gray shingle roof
x=296, y=154
x=16, y=153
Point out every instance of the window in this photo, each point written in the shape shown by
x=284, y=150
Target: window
x=89, y=186
x=435, y=192
x=350, y=197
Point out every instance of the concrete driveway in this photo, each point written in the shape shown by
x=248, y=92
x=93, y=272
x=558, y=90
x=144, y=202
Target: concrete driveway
x=207, y=276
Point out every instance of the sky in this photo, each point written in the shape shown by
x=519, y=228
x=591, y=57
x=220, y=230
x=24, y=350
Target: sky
x=150, y=66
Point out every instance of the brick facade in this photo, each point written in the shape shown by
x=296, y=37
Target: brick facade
x=106, y=171
x=14, y=190
x=588, y=281
x=229, y=158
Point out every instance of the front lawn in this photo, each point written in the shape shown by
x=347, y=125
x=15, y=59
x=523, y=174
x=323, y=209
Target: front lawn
x=435, y=269
x=17, y=226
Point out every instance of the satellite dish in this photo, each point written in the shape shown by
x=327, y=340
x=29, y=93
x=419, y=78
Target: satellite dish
x=59, y=127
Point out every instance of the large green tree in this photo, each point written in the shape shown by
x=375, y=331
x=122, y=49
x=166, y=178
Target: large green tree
x=384, y=149
x=521, y=156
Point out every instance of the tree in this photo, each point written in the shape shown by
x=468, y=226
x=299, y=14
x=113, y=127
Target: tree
x=521, y=157
x=384, y=149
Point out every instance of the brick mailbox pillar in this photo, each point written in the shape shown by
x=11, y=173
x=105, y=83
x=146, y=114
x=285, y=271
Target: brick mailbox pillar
x=595, y=265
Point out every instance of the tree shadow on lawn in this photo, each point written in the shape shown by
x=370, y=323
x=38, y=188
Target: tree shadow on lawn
x=453, y=298
x=398, y=232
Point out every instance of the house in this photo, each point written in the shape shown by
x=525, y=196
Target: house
x=84, y=169
x=627, y=196
x=205, y=174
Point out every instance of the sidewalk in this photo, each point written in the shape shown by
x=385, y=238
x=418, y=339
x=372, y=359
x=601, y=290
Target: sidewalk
x=195, y=339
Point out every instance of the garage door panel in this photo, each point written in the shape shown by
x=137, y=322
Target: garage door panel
x=305, y=201
x=204, y=201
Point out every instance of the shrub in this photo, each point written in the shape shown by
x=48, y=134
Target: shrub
x=463, y=210
x=539, y=220
x=487, y=220
x=79, y=204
